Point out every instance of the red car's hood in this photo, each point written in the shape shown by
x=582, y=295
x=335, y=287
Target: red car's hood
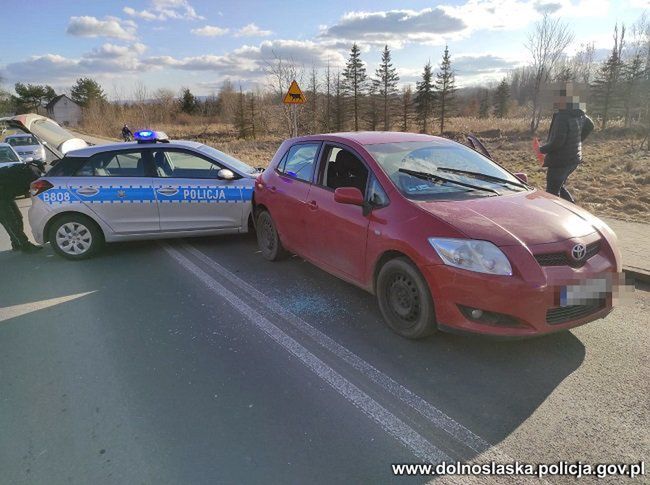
x=529, y=218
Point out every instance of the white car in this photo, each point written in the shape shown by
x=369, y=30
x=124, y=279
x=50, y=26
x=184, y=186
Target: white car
x=27, y=146
x=8, y=155
x=148, y=189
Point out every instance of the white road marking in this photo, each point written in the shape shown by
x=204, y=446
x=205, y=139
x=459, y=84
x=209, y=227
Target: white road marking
x=394, y=426
x=486, y=451
x=14, y=311
x=433, y=414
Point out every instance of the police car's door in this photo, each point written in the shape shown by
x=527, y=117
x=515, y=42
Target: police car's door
x=117, y=187
x=190, y=195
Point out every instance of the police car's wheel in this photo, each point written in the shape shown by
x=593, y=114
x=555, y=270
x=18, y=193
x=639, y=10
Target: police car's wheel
x=76, y=237
x=405, y=300
x=268, y=239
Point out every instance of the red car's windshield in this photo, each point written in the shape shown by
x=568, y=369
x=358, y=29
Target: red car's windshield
x=443, y=160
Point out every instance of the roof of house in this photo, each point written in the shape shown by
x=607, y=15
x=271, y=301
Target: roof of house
x=56, y=99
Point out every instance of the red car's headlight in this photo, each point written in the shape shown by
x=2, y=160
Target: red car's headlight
x=472, y=255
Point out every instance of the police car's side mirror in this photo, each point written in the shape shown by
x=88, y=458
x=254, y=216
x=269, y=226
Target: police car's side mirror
x=225, y=174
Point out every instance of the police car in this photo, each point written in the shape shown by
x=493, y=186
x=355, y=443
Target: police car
x=147, y=189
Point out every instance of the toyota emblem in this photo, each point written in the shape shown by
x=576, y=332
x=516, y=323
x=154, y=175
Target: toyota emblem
x=579, y=251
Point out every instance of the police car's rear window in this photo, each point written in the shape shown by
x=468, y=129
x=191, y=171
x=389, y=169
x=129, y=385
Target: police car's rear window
x=66, y=167
x=113, y=164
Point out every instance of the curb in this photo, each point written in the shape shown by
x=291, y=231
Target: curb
x=637, y=274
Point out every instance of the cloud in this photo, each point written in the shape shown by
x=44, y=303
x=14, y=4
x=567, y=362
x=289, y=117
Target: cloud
x=106, y=60
x=252, y=30
x=251, y=61
x=114, y=27
x=210, y=31
x=547, y=7
x=164, y=10
x=465, y=65
x=395, y=26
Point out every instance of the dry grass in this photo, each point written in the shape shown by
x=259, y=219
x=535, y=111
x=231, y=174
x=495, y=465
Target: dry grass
x=613, y=181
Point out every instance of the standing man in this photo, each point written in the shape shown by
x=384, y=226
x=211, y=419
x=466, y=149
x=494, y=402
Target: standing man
x=15, y=180
x=563, y=149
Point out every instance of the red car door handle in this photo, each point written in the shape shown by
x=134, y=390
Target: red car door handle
x=312, y=205
x=272, y=188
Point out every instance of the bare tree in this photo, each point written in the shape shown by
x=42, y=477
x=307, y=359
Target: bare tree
x=328, y=100
x=407, y=107
x=312, y=100
x=282, y=72
x=140, y=96
x=546, y=45
x=582, y=63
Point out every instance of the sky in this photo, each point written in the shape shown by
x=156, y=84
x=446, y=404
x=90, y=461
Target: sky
x=200, y=43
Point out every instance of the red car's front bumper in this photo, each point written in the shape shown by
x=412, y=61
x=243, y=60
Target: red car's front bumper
x=528, y=308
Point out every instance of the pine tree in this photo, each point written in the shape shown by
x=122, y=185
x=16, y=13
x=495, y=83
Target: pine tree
x=445, y=87
x=605, y=92
x=501, y=98
x=632, y=77
x=85, y=91
x=355, y=79
x=425, y=98
x=32, y=96
x=484, y=106
x=407, y=107
x=188, y=101
x=385, y=82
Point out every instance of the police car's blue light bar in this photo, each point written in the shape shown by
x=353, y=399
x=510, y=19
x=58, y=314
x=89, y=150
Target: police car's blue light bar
x=149, y=136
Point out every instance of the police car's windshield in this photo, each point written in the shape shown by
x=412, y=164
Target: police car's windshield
x=7, y=155
x=444, y=160
x=18, y=141
x=232, y=162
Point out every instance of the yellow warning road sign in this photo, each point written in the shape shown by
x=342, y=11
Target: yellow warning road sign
x=294, y=94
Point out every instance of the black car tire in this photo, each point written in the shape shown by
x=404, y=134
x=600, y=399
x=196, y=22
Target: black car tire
x=405, y=299
x=82, y=229
x=268, y=238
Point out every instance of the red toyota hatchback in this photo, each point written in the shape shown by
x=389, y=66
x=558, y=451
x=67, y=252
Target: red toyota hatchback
x=445, y=237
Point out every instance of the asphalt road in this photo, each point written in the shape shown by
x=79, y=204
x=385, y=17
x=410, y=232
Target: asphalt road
x=197, y=362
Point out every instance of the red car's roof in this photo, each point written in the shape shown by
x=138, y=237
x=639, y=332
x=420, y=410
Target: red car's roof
x=372, y=137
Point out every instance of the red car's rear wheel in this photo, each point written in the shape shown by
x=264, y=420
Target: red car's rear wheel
x=268, y=239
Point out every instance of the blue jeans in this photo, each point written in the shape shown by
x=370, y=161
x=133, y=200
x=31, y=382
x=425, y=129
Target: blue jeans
x=556, y=178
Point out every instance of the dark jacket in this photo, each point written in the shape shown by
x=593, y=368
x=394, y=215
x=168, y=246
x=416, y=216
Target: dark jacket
x=563, y=147
x=15, y=180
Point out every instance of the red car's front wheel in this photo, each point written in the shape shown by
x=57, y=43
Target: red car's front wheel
x=404, y=299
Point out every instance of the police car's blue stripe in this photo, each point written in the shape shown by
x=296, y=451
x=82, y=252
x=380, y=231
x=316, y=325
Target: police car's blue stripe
x=147, y=194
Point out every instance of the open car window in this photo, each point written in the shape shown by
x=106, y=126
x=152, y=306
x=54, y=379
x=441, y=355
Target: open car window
x=341, y=168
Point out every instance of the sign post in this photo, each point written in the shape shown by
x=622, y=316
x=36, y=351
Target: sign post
x=294, y=97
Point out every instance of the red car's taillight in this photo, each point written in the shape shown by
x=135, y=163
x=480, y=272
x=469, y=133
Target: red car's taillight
x=39, y=187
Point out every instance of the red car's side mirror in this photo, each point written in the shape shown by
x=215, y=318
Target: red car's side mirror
x=522, y=176
x=348, y=195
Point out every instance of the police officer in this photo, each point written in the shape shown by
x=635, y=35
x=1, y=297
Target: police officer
x=15, y=180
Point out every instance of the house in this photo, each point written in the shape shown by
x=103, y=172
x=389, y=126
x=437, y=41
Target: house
x=64, y=111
